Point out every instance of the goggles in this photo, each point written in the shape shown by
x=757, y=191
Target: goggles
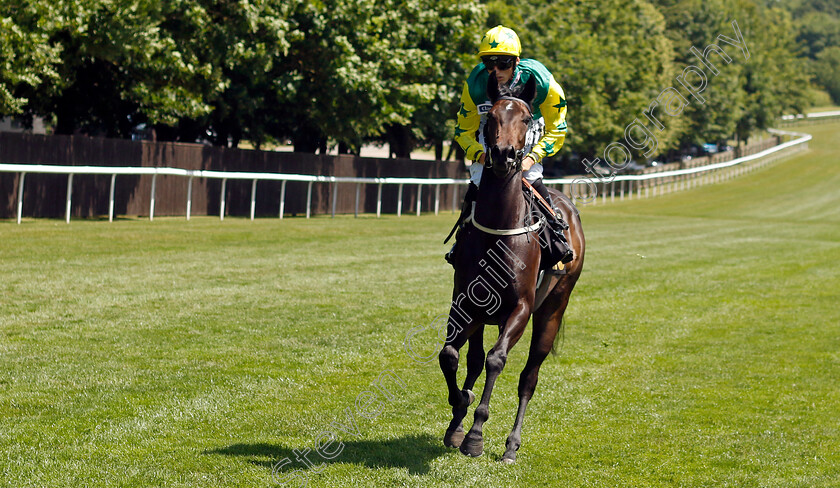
x=501, y=62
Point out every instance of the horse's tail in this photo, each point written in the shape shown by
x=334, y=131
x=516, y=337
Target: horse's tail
x=560, y=337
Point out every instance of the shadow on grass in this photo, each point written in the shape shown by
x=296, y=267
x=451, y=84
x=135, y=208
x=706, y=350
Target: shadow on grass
x=414, y=453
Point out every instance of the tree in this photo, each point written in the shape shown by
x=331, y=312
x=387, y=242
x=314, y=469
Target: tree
x=448, y=33
x=116, y=69
x=826, y=71
x=27, y=57
x=611, y=58
x=234, y=50
x=775, y=80
x=357, y=68
x=748, y=93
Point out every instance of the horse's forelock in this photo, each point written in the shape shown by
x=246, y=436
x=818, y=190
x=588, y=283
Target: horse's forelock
x=507, y=91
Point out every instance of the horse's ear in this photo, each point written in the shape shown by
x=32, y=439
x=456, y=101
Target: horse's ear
x=529, y=91
x=492, y=88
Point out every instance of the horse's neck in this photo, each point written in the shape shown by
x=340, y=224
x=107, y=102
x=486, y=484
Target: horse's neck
x=499, y=201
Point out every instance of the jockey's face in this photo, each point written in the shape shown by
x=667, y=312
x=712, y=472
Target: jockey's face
x=504, y=70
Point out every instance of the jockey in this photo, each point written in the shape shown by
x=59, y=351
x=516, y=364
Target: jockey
x=499, y=52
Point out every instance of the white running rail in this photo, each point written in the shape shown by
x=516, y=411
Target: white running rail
x=575, y=184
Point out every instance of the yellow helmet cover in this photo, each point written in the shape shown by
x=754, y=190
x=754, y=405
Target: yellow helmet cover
x=500, y=40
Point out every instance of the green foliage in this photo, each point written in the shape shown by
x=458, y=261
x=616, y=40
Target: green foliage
x=611, y=58
x=117, y=69
x=818, y=27
x=27, y=57
x=357, y=68
x=776, y=81
x=324, y=72
x=233, y=51
x=827, y=70
x=449, y=36
x=817, y=31
x=747, y=94
x=697, y=23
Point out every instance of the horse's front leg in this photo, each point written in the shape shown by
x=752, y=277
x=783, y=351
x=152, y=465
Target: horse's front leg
x=459, y=399
x=509, y=334
x=475, y=364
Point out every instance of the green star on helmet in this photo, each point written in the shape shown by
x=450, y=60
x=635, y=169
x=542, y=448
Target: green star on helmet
x=494, y=44
x=560, y=105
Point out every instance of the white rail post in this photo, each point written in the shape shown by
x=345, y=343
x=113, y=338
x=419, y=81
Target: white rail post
x=399, y=201
x=437, y=198
x=419, y=198
x=454, y=195
x=334, y=198
x=253, y=197
x=189, y=197
x=358, y=190
x=379, y=201
x=69, y=193
x=309, y=199
x=152, y=202
x=20, y=197
x=282, y=198
x=111, y=199
x=222, y=200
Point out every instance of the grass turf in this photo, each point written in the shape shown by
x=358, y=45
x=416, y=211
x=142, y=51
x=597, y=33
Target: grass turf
x=701, y=348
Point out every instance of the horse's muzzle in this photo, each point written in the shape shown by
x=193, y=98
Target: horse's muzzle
x=503, y=160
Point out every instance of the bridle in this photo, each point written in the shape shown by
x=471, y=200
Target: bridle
x=520, y=153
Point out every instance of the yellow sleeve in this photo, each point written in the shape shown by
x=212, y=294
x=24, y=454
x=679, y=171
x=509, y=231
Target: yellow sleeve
x=553, y=110
x=466, y=126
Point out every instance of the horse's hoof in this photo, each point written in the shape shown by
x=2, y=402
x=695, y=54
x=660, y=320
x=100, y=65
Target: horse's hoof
x=473, y=445
x=509, y=457
x=470, y=396
x=453, y=438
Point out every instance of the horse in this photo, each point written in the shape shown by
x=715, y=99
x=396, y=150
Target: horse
x=496, y=270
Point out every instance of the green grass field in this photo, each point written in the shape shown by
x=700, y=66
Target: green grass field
x=701, y=348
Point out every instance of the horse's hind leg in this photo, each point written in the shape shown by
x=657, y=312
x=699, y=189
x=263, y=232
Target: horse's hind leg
x=475, y=364
x=546, y=325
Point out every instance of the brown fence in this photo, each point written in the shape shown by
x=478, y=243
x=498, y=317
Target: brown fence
x=45, y=194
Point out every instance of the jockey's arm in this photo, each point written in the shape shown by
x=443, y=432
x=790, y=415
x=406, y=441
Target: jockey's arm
x=467, y=124
x=553, y=110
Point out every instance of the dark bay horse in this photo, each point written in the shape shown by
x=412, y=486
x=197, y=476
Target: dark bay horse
x=496, y=271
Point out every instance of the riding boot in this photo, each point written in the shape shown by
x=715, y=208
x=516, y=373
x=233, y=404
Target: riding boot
x=558, y=225
x=466, y=208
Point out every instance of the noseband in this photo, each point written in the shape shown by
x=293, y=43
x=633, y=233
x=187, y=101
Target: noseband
x=520, y=153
